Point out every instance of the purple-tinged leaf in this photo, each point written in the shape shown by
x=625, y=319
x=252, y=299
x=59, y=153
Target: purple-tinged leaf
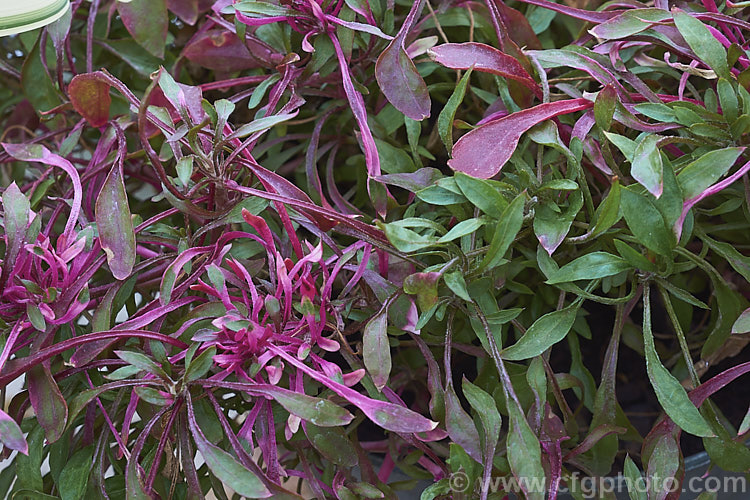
x=397, y=76
x=663, y=466
x=698, y=175
x=412, y=181
x=583, y=14
x=483, y=151
x=376, y=351
x=147, y=21
x=460, y=426
x=37, y=152
x=483, y=58
x=719, y=186
x=49, y=404
x=424, y=286
x=226, y=469
x=594, y=436
x=11, y=435
x=629, y=23
x=113, y=219
x=220, y=50
x=647, y=167
x=389, y=416
x=89, y=95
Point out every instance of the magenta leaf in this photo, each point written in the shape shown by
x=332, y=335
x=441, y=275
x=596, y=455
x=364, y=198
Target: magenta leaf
x=147, y=21
x=11, y=435
x=481, y=57
x=89, y=95
x=397, y=76
x=115, y=225
x=483, y=151
x=36, y=152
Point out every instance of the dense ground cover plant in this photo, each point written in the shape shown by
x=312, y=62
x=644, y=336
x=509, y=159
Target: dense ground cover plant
x=274, y=245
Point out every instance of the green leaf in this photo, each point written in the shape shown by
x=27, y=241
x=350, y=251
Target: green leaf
x=702, y=42
x=199, y=367
x=448, y=114
x=333, y=444
x=486, y=408
x=647, y=166
x=456, y=283
x=646, y=222
x=226, y=469
x=482, y=194
x=462, y=229
x=143, y=362
x=260, y=125
x=608, y=212
x=634, y=257
x=318, y=411
x=635, y=481
x=406, y=240
x=524, y=453
x=506, y=230
x=604, y=107
x=75, y=475
x=590, y=266
x=115, y=224
x=700, y=174
x=742, y=325
x=543, y=334
x=35, y=317
x=670, y=393
x=625, y=145
x=36, y=82
x=730, y=106
x=376, y=351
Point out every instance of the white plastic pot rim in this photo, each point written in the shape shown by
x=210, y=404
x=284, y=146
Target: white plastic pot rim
x=17, y=16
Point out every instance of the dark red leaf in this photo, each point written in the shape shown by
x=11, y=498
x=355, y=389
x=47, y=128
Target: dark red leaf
x=483, y=151
x=89, y=95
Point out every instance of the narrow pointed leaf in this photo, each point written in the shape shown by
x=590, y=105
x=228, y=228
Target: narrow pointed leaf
x=590, y=266
x=375, y=348
x=115, y=224
x=397, y=76
x=647, y=167
x=670, y=393
x=11, y=435
x=543, y=334
x=226, y=469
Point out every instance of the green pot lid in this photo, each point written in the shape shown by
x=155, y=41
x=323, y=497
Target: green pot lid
x=17, y=16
